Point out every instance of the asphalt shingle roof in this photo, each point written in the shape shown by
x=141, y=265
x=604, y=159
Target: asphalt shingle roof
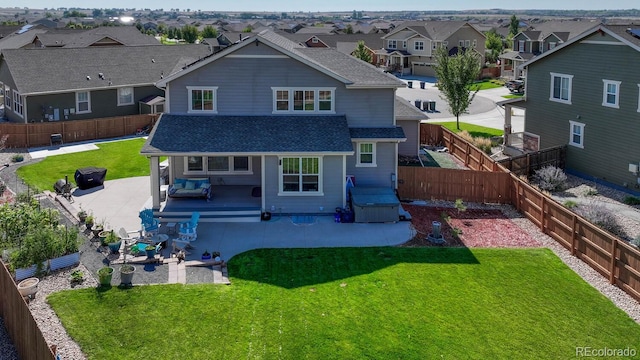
x=63, y=70
x=377, y=133
x=175, y=134
x=404, y=110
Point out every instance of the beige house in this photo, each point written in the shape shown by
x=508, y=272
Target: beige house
x=410, y=48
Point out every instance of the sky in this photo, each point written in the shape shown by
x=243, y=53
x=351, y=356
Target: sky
x=331, y=5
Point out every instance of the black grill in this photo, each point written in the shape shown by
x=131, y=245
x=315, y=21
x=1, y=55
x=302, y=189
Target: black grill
x=62, y=186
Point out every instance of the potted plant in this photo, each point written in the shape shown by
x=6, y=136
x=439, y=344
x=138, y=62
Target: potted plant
x=135, y=251
x=151, y=251
x=28, y=287
x=113, y=241
x=97, y=229
x=126, y=274
x=76, y=277
x=104, y=275
x=88, y=221
x=82, y=215
x=206, y=255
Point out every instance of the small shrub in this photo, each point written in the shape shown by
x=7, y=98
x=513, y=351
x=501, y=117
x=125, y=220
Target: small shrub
x=631, y=200
x=591, y=192
x=602, y=217
x=483, y=144
x=17, y=158
x=550, y=178
x=570, y=204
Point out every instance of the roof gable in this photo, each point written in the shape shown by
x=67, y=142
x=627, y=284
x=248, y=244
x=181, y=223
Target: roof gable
x=346, y=69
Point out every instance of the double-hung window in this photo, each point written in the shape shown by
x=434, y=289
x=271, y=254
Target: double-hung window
x=418, y=45
x=392, y=44
x=561, y=88
x=18, y=107
x=521, y=46
x=303, y=100
x=300, y=176
x=576, y=137
x=611, y=93
x=7, y=97
x=83, y=102
x=202, y=99
x=366, y=154
x=125, y=96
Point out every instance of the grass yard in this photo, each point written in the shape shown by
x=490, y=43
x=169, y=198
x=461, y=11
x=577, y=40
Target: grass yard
x=487, y=84
x=122, y=159
x=474, y=130
x=356, y=303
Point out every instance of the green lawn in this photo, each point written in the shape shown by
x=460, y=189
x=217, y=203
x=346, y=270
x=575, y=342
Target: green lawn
x=474, y=130
x=487, y=84
x=356, y=303
x=512, y=96
x=122, y=159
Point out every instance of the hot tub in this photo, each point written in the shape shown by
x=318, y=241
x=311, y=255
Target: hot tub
x=374, y=204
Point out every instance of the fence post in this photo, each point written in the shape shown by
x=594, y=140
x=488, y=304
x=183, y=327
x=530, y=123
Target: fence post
x=542, y=214
x=573, y=234
x=612, y=268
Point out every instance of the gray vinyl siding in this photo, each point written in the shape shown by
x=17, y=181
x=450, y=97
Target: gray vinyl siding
x=104, y=103
x=411, y=130
x=380, y=175
x=244, y=87
x=610, y=135
x=7, y=80
x=332, y=189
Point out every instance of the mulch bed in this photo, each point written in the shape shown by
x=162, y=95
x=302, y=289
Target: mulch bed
x=475, y=228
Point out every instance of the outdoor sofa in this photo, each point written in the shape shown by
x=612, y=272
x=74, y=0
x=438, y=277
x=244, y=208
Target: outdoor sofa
x=190, y=188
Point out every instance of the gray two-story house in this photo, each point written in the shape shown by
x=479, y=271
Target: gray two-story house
x=284, y=124
x=586, y=94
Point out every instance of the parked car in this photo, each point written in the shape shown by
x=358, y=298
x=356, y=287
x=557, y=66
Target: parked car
x=515, y=86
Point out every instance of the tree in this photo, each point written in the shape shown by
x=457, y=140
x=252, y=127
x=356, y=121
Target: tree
x=97, y=13
x=209, y=32
x=190, y=33
x=362, y=53
x=514, y=26
x=348, y=29
x=455, y=76
x=494, y=45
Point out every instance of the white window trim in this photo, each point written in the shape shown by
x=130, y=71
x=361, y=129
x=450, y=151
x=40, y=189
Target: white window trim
x=132, y=96
x=320, y=191
x=316, y=100
x=314, y=40
x=214, y=89
x=521, y=45
x=551, y=98
x=88, y=102
x=395, y=44
x=467, y=44
x=7, y=95
x=581, y=125
x=373, y=155
x=404, y=44
x=615, y=105
x=18, y=104
x=415, y=45
x=205, y=167
x=475, y=43
x=460, y=43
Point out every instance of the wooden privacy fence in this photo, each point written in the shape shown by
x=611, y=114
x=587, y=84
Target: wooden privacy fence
x=612, y=257
x=527, y=164
x=39, y=134
x=451, y=184
x=20, y=324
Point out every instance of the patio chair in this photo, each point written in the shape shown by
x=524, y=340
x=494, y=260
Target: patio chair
x=188, y=229
x=150, y=225
x=180, y=245
x=128, y=237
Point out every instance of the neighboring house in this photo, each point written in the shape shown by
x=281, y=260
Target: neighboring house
x=410, y=48
x=538, y=39
x=54, y=84
x=345, y=43
x=585, y=94
x=287, y=121
x=100, y=36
